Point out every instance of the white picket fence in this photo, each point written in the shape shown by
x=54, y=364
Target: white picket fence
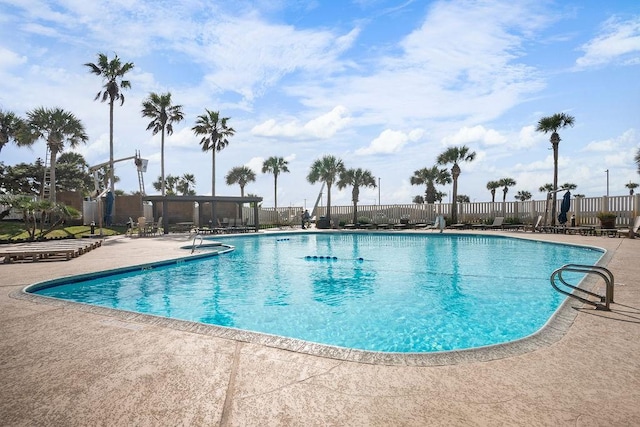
x=584, y=209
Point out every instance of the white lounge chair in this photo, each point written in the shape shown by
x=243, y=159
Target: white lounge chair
x=624, y=232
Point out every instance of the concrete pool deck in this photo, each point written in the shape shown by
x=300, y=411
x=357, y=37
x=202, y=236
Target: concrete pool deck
x=62, y=365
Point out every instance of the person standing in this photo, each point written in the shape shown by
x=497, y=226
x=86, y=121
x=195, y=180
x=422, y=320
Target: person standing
x=306, y=219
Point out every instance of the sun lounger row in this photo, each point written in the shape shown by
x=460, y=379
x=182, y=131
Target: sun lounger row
x=227, y=225
x=50, y=250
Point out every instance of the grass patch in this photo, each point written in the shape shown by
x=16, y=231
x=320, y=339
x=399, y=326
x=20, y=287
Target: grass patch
x=14, y=230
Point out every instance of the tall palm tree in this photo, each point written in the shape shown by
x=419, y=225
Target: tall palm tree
x=10, y=128
x=112, y=73
x=492, y=186
x=326, y=169
x=505, y=183
x=454, y=155
x=240, y=175
x=162, y=114
x=553, y=124
x=637, y=160
x=275, y=165
x=215, y=133
x=430, y=177
x=56, y=127
x=356, y=178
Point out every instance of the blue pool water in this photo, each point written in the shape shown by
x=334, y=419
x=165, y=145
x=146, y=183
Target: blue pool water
x=379, y=292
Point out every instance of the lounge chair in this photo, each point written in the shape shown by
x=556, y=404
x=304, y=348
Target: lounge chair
x=497, y=223
x=438, y=224
x=534, y=227
x=624, y=232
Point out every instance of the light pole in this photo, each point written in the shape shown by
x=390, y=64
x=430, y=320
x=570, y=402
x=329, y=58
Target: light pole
x=378, y=191
x=607, y=172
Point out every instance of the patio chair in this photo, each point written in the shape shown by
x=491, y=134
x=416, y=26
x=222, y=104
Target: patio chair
x=142, y=226
x=157, y=227
x=624, y=232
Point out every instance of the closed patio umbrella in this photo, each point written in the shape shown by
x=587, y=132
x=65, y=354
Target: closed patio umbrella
x=564, y=207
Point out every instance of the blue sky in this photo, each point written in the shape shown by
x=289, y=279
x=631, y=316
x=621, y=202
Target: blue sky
x=383, y=85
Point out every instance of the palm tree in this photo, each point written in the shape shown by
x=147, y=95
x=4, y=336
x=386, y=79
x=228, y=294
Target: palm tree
x=275, y=165
x=547, y=188
x=492, y=186
x=215, y=134
x=241, y=175
x=10, y=128
x=637, y=160
x=463, y=198
x=112, y=73
x=162, y=114
x=186, y=183
x=326, y=169
x=506, y=183
x=56, y=127
x=553, y=124
x=356, y=178
x=631, y=186
x=453, y=155
x=568, y=186
x=430, y=177
x=523, y=195
x=418, y=200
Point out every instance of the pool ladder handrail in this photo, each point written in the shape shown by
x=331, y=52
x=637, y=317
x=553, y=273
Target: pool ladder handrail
x=604, y=273
x=193, y=246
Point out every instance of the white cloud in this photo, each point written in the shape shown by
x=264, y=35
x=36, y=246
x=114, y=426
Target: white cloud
x=9, y=58
x=475, y=134
x=618, y=41
x=323, y=127
x=390, y=141
x=628, y=138
x=255, y=164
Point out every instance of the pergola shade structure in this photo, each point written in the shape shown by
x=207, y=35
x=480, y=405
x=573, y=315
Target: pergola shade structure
x=214, y=200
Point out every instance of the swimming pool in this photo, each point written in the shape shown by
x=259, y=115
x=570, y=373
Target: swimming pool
x=383, y=292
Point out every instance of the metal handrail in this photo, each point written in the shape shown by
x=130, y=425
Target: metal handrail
x=604, y=273
x=193, y=246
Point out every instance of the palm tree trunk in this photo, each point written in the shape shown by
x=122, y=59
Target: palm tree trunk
x=455, y=173
x=275, y=192
x=111, y=169
x=355, y=212
x=52, y=175
x=162, y=163
x=554, y=143
x=213, y=185
x=328, y=215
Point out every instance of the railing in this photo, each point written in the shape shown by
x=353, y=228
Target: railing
x=605, y=274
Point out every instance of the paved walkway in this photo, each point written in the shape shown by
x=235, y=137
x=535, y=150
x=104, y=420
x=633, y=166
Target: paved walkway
x=64, y=366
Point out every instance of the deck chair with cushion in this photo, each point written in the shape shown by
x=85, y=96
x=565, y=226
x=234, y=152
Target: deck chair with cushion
x=497, y=223
x=625, y=232
x=534, y=227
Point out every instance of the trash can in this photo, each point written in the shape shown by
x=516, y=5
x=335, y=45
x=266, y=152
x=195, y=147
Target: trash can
x=323, y=223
